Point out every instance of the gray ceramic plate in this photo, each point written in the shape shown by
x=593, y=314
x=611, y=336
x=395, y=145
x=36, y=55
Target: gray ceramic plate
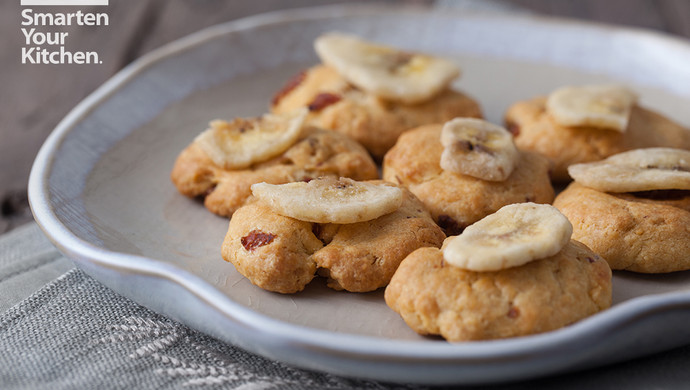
x=100, y=189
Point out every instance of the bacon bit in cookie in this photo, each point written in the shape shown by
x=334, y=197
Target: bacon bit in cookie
x=449, y=225
x=513, y=128
x=591, y=260
x=323, y=100
x=256, y=239
x=295, y=81
x=514, y=312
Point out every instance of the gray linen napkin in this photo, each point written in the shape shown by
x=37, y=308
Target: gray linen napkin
x=76, y=333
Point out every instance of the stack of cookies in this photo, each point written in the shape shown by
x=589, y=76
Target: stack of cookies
x=460, y=230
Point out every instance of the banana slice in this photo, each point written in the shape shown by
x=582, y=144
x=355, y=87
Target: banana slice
x=637, y=170
x=384, y=71
x=478, y=148
x=330, y=200
x=243, y=142
x=602, y=106
x=514, y=235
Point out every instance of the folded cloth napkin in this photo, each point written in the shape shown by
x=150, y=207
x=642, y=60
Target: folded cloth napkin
x=76, y=333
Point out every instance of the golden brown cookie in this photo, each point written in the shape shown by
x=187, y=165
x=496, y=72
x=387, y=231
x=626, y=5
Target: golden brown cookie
x=282, y=254
x=646, y=232
x=374, y=122
x=436, y=298
x=316, y=153
x=535, y=130
x=455, y=200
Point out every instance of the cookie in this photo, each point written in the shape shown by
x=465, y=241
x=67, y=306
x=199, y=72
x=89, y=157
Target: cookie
x=534, y=129
x=316, y=153
x=374, y=122
x=647, y=232
x=435, y=298
x=455, y=200
x=283, y=254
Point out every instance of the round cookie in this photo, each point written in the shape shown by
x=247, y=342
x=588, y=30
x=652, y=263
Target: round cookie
x=283, y=254
x=316, y=153
x=645, y=232
x=436, y=298
x=374, y=122
x=535, y=130
x=455, y=201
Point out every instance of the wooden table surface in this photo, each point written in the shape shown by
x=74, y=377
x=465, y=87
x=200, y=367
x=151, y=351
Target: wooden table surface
x=36, y=97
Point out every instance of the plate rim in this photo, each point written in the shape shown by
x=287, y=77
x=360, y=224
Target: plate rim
x=349, y=346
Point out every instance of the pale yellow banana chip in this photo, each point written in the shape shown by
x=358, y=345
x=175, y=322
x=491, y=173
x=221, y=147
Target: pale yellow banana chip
x=514, y=235
x=330, y=200
x=478, y=148
x=243, y=142
x=637, y=170
x=600, y=106
x=384, y=71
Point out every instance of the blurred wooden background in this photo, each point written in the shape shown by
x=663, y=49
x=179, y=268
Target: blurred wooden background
x=35, y=97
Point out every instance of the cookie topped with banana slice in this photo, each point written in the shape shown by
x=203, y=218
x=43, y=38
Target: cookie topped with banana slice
x=478, y=148
x=586, y=123
x=633, y=208
x=222, y=163
x=514, y=235
x=514, y=273
x=372, y=92
x=604, y=107
x=353, y=233
x=386, y=72
x=466, y=169
x=637, y=170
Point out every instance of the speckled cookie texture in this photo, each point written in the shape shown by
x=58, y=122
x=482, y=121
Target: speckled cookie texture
x=642, y=232
x=455, y=201
x=317, y=153
x=283, y=254
x=435, y=298
x=535, y=130
x=375, y=123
